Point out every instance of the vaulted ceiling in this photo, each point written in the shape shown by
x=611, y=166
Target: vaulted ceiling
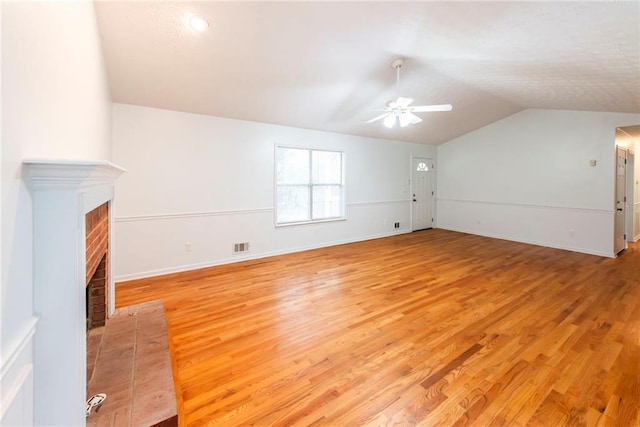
x=326, y=65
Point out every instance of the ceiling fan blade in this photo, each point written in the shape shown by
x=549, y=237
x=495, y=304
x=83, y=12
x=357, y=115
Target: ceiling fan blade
x=381, y=116
x=414, y=119
x=403, y=102
x=426, y=108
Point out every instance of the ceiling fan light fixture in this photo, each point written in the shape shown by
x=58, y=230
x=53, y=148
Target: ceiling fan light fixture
x=198, y=24
x=390, y=120
x=405, y=119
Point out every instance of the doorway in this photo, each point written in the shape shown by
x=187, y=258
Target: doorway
x=628, y=138
x=620, y=208
x=421, y=194
x=630, y=199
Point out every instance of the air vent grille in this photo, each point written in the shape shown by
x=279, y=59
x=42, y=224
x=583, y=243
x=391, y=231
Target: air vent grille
x=239, y=248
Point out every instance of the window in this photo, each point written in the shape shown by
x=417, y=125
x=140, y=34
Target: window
x=309, y=185
x=422, y=167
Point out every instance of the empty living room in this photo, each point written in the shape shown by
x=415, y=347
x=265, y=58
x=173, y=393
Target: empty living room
x=320, y=213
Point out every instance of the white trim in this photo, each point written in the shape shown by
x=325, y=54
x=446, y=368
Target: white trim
x=526, y=205
x=152, y=217
x=314, y=221
x=178, y=215
x=377, y=203
x=16, y=348
x=236, y=258
x=51, y=174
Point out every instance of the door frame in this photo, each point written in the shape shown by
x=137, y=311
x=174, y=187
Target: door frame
x=626, y=195
x=629, y=213
x=433, y=189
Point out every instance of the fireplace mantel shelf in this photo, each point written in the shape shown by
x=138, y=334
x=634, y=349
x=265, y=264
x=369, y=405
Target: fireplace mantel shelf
x=70, y=173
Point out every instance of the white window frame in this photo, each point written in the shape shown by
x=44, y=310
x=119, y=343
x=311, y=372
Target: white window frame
x=342, y=216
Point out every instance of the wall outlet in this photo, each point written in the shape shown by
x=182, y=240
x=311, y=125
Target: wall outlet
x=396, y=225
x=572, y=233
x=187, y=247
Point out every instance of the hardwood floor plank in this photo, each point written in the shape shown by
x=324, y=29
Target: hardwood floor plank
x=428, y=328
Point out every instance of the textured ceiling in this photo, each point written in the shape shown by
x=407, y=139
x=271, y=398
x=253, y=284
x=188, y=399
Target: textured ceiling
x=325, y=65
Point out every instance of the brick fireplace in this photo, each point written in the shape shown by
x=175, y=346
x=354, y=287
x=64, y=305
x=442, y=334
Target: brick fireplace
x=97, y=265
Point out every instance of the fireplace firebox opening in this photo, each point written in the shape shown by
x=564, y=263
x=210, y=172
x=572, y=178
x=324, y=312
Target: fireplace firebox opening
x=97, y=267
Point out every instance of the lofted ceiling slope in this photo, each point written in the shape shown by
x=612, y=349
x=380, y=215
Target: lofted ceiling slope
x=326, y=65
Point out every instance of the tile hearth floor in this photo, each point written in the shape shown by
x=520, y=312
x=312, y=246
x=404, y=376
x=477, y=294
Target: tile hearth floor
x=129, y=360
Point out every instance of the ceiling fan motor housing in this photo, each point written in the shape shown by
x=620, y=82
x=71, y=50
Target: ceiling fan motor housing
x=397, y=63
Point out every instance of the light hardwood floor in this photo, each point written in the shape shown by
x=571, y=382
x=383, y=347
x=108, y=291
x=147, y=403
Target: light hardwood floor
x=429, y=328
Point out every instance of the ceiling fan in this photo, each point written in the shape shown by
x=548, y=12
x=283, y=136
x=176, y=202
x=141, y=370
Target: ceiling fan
x=400, y=110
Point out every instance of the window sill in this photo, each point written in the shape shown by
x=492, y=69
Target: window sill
x=318, y=221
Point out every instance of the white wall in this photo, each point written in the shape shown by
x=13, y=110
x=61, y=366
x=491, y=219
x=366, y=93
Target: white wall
x=209, y=181
x=528, y=178
x=55, y=104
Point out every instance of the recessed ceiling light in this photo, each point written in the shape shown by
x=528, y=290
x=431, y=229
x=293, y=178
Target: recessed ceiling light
x=198, y=23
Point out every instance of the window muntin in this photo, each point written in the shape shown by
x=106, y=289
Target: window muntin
x=309, y=185
x=422, y=167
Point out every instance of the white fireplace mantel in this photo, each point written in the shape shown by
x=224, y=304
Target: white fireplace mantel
x=50, y=174
x=63, y=192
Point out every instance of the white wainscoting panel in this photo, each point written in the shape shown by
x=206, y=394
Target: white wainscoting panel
x=150, y=245
x=16, y=379
x=581, y=230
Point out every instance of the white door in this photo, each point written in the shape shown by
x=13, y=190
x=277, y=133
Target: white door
x=629, y=196
x=422, y=194
x=621, y=180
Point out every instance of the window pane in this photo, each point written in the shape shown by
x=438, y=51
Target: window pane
x=292, y=166
x=293, y=203
x=326, y=167
x=326, y=201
